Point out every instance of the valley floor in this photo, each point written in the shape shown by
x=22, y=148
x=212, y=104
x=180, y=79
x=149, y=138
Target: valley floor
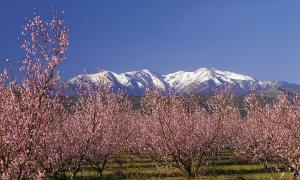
x=226, y=167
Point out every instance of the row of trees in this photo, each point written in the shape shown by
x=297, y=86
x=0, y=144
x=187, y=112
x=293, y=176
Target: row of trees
x=270, y=132
x=43, y=133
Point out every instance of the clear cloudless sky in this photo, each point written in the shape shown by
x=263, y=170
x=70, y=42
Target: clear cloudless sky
x=260, y=38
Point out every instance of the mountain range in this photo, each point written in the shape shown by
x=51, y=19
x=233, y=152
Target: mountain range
x=203, y=81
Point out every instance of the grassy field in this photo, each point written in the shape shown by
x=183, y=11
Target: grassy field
x=226, y=166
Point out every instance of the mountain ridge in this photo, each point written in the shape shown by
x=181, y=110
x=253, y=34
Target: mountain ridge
x=202, y=81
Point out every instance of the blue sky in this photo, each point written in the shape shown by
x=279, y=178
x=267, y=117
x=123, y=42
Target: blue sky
x=260, y=38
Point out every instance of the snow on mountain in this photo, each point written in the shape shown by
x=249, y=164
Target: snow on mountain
x=202, y=81
x=133, y=83
x=182, y=81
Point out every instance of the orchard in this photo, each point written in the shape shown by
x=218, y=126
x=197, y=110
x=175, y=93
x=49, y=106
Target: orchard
x=44, y=134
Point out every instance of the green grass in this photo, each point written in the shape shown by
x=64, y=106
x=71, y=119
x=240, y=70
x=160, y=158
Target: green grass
x=224, y=167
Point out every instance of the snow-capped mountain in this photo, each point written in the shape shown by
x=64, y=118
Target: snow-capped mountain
x=202, y=81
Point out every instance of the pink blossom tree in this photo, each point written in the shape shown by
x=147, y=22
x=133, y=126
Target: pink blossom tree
x=285, y=121
x=30, y=106
x=270, y=132
x=255, y=136
x=177, y=128
x=100, y=128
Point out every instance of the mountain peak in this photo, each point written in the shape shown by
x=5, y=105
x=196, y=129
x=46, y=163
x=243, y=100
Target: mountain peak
x=146, y=71
x=204, y=69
